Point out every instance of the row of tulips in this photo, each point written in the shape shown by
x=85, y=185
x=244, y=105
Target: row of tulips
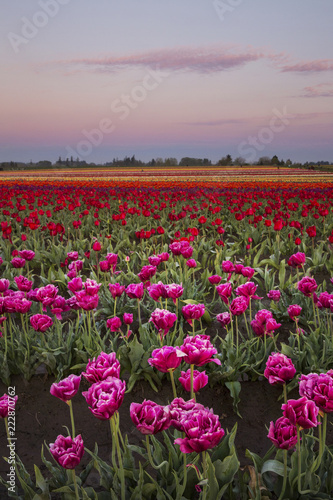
x=293, y=473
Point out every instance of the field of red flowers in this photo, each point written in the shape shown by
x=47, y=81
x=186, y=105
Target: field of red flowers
x=181, y=331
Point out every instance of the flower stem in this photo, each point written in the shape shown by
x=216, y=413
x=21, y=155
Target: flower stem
x=139, y=313
x=285, y=393
x=173, y=383
x=285, y=456
x=120, y=461
x=75, y=485
x=192, y=391
x=72, y=417
x=204, y=466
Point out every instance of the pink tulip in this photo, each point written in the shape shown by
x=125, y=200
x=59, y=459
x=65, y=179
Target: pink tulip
x=105, y=397
x=215, y=279
x=224, y=291
x=163, y=320
x=279, y=369
x=193, y=311
x=302, y=412
x=23, y=284
x=135, y=291
x=283, y=433
x=116, y=289
x=307, y=286
x=128, y=318
x=274, y=295
x=66, y=388
x=202, y=431
x=102, y=367
x=149, y=417
x=239, y=305
x=27, y=254
x=41, y=322
x=67, y=452
x=223, y=318
x=199, y=350
x=18, y=263
x=264, y=323
x=7, y=404
x=166, y=358
x=114, y=324
x=294, y=311
x=200, y=379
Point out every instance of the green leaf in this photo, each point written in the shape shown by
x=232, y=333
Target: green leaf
x=234, y=388
x=273, y=466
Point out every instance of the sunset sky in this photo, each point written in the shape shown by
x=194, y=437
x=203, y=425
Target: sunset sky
x=200, y=78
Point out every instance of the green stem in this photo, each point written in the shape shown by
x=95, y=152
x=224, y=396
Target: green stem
x=247, y=326
x=285, y=393
x=139, y=313
x=285, y=457
x=204, y=466
x=173, y=383
x=236, y=337
x=193, y=330
x=114, y=426
x=115, y=306
x=72, y=417
x=113, y=449
x=314, y=311
x=75, y=485
x=192, y=391
x=299, y=459
x=156, y=467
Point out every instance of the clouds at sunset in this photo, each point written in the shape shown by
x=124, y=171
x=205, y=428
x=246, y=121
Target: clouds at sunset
x=173, y=78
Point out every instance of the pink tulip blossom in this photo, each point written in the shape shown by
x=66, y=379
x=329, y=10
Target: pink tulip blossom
x=150, y=417
x=66, y=388
x=163, y=320
x=7, y=404
x=105, y=397
x=67, y=452
x=302, y=412
x=41, y=322
x=199, y=350
x=264, y=323
x=283, y=433
x=200, y=379
x=279, y=369
x=167, y=358
x=202, y=431
x=193, y=311
x=102, y=367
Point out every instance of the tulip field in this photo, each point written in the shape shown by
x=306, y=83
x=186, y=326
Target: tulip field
x=166, y=334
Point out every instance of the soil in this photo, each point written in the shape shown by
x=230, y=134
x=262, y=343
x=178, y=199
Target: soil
x=40, y=417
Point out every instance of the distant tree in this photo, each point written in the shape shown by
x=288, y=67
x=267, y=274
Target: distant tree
x=159, y=161
x=239, y=161
x=264, y=160
x=171, y=162
x=225, y=161
x=275, y=160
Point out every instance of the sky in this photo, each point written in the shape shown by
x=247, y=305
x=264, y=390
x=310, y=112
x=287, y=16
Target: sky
x=199, y=78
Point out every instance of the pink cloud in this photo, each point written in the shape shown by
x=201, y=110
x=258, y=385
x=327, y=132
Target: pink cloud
x=319, y=65
x=210, y=59
x=320, y=90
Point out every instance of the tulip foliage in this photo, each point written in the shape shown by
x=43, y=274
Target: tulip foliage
x=192, y=284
